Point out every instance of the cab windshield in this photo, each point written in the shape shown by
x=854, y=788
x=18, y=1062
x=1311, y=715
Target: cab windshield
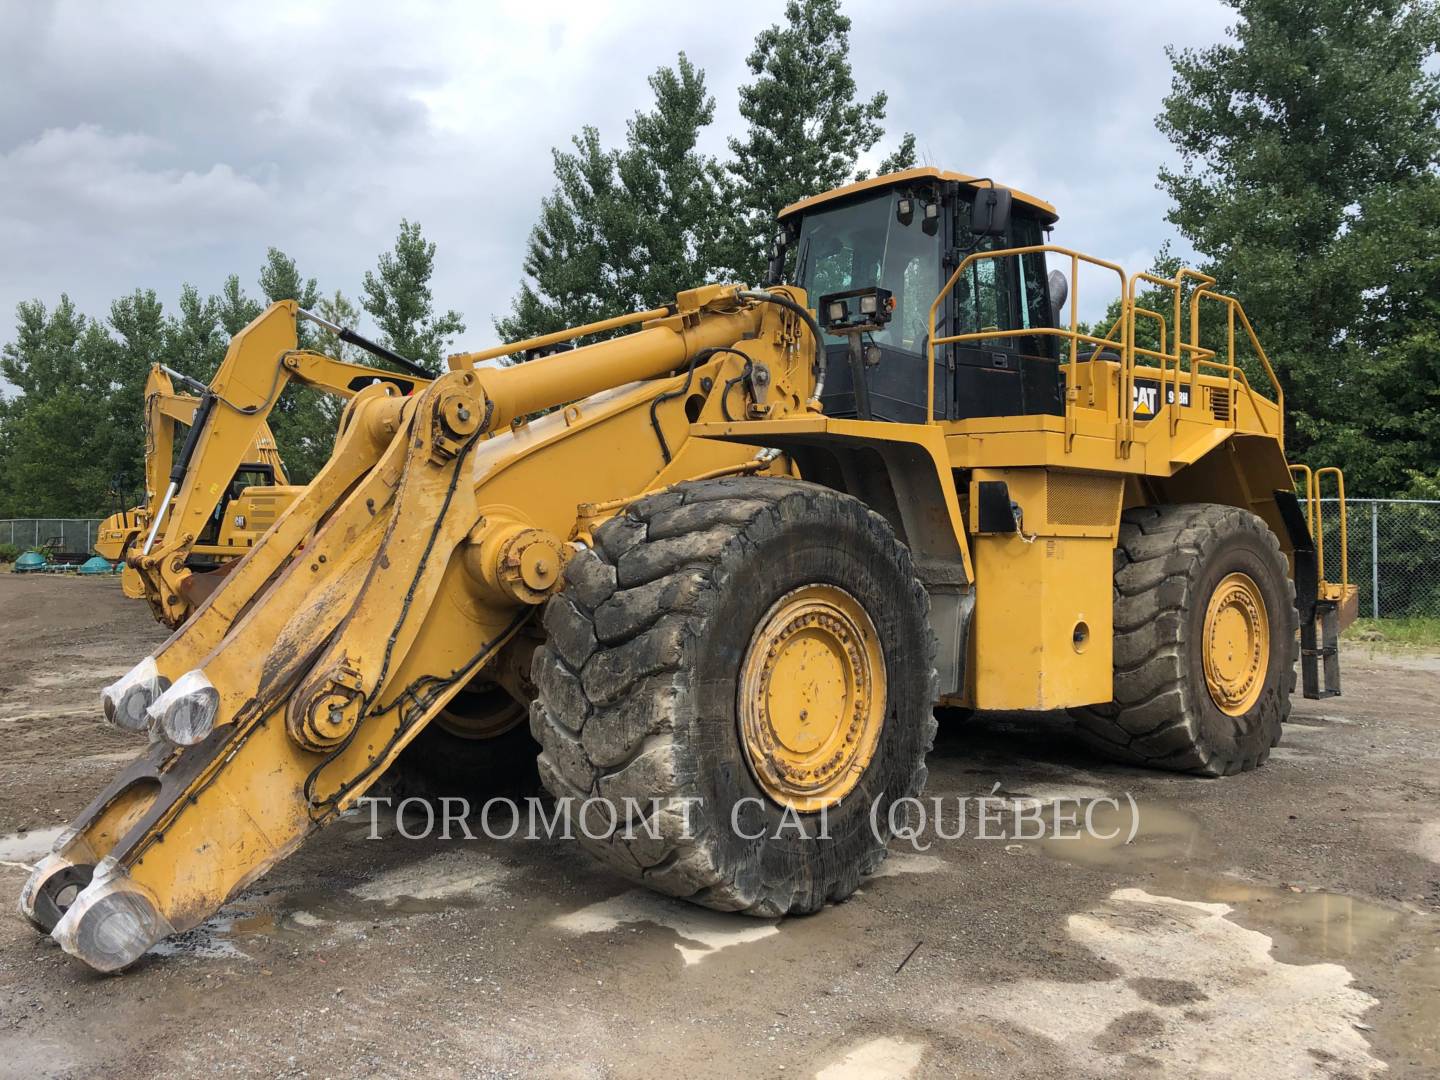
x=864, y=244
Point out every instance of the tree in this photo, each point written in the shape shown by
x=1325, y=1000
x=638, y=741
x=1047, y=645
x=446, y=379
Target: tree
x=399, y=299
x=1310, y=180
x=672, y=191
x=49, y=431
x=806, y=127
x=195, y=338
x=903, y=156
x=122, y=366
x=626, y=229
x=302, y=421
x=570, y=255
x=338, y=309
x=236, y=310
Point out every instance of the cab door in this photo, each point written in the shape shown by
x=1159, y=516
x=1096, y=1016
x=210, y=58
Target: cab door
x=1015, y=374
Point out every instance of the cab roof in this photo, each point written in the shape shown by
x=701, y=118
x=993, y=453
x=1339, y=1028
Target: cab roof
x=1047, y=212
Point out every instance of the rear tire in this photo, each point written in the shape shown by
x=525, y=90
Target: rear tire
x=1185, y=575
x=641, y=682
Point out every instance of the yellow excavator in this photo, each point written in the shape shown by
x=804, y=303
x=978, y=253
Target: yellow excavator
x=258, y=484
x=208, y=504
x=742, y=552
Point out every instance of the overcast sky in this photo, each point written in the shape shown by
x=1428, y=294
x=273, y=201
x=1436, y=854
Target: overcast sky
x=150, y=144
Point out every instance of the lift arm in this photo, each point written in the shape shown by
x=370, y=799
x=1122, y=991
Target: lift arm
x=395, y=578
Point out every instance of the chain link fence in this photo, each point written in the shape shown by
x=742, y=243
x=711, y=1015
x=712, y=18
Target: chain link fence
x=64, y=536
x=1394, y=547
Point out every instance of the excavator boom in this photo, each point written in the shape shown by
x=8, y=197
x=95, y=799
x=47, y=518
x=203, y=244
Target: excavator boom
x=199, y=514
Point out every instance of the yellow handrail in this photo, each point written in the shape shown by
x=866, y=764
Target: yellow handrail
x=1305, y=472
x=1236, y=309
x=1320, y=526
x=1073, y=335
x=1171, y=357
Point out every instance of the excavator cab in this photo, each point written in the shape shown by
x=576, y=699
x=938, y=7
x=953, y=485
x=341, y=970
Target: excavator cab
x=906, y=239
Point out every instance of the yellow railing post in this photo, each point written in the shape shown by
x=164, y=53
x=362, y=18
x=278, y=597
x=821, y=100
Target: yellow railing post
x=1176, y=354
x=1344, y=530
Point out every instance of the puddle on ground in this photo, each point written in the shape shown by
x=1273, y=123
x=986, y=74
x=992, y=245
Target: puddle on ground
x=702, y=932
x=886, y=1058
x=27, y=847
x=1197, y=993
x=1321, y=925
x=1112, y=832
x=1306, y=935
x=1317, y=925
x=440, y=883
x=213, y=939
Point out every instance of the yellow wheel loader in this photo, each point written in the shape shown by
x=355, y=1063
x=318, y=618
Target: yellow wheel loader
x=206, y=505
x=743, y=552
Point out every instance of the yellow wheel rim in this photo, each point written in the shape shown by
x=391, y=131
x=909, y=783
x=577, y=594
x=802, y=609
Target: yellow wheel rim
x=812, y=697
x=1236, y=644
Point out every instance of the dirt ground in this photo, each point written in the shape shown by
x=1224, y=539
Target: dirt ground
x=1281, y=923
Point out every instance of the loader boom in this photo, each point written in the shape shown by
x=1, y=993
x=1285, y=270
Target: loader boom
x=326, y=648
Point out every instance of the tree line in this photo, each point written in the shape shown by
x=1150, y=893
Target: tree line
x=625, y=227
x=72, y=440
x=1308, y=180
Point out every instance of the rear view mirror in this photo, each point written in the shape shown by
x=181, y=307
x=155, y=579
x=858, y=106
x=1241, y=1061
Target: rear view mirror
x=990, y=215
x=1059, y=293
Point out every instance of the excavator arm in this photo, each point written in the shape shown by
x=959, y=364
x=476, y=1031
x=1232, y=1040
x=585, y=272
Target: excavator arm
x=398, y=576
x=228, y=429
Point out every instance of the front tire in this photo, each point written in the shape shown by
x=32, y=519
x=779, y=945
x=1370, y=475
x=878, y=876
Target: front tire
x=750, y=661
x=1205, y=642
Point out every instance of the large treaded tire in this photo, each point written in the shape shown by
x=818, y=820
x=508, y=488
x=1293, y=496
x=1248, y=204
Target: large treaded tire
x=1167, y=564
x=638, y=688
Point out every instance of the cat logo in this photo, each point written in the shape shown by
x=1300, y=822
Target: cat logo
x=1146, y=400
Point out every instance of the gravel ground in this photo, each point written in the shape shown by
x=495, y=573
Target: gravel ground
x=1282, y=923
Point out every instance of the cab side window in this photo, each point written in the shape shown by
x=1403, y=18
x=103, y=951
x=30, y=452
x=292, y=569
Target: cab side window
x=1034, y=298
x=982, y=299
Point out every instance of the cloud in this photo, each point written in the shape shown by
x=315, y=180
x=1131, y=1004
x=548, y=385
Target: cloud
x=150, y=145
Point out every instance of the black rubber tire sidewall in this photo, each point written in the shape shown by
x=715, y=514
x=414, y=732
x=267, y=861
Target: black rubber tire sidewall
x=840, y=551
x=1258, y=728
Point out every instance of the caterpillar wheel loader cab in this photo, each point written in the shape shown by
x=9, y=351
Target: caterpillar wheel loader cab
x=742, y=552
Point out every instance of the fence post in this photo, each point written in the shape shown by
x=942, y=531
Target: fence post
x=1375, y=558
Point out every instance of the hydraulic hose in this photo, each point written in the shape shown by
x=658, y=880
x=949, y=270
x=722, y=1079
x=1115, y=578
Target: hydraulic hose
x=182, y=465
x=791, y=306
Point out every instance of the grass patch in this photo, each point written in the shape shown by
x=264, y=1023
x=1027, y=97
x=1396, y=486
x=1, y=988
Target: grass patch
x=1412, y=633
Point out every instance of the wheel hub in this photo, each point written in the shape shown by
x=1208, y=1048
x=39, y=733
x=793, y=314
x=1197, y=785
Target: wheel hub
x=1236, y=650
x=812, y=697
x=484, y=711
